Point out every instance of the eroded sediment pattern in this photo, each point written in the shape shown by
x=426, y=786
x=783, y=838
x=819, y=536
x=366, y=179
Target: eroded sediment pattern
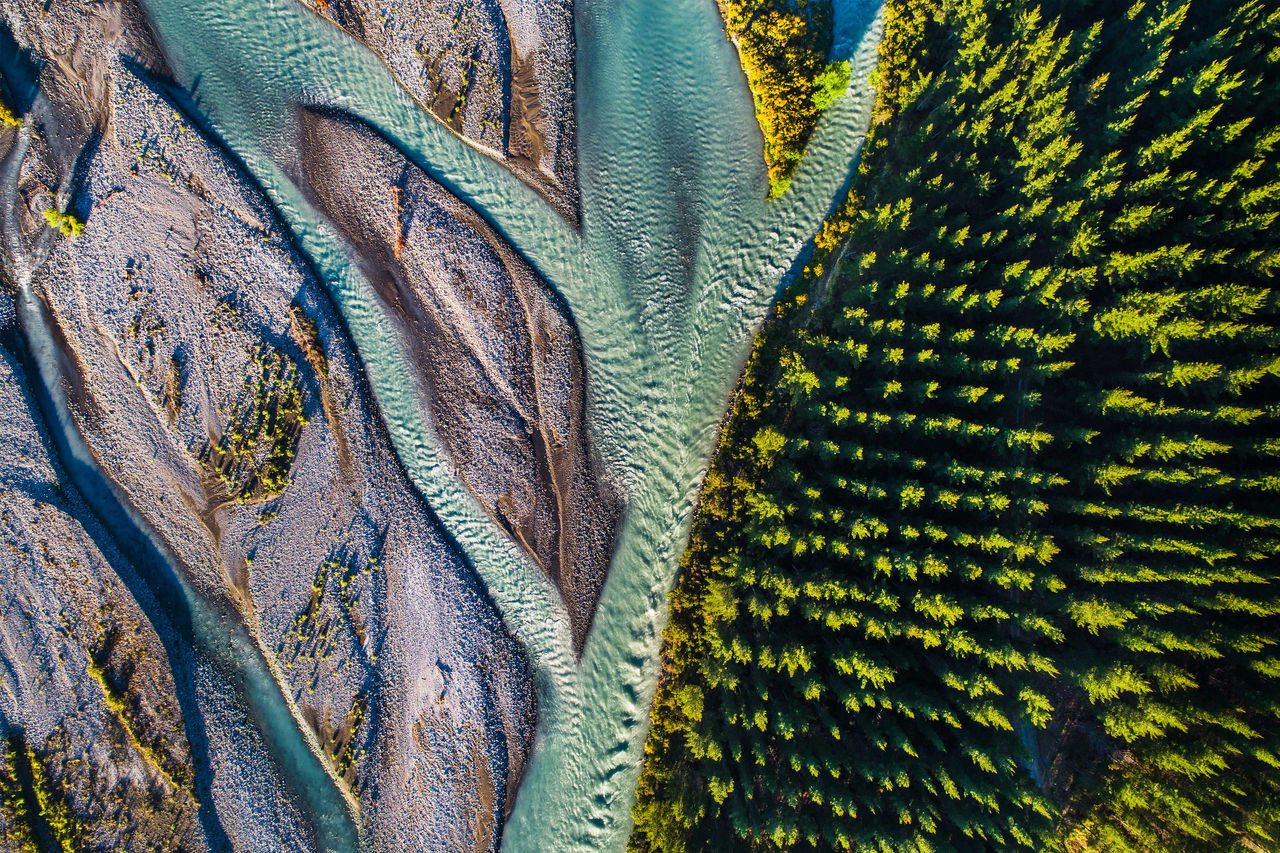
x=88, y=702
x=495, y=351
x=213, y=384
x=500, y=72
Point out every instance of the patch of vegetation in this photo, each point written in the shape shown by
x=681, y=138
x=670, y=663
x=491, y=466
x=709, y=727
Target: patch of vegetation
x=339, y=742
x=315, y=636
x=54, y=809
x=65, y=223
x=106, y=808
x=8, y=117
x=16, y=810
x=343, y=744
x=987, y=556
x=115, y=689
x=333, y=602
x=831, y=84
x=254, y=456
x=36, y=799
x=171, y=393
x=783, y=45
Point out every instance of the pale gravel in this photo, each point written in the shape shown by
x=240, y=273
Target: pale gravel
x=449, y=691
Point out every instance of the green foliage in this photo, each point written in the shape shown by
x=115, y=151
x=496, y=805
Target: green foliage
x=831, y=84
x=16, y=811
x=54, y=809
x=8, y=117
x=123, y=712
x=1170, y=521
x=35, y=804
x=342, y=746
x=783, y=45
x=987, y=558
x=254, y=456
x=65, y=223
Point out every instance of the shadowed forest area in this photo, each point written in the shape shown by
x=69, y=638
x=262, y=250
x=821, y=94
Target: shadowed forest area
x=987, y=559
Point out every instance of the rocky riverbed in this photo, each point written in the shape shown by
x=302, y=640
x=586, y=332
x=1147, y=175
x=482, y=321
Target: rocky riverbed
x=495, y=351
x=499, y=72
x=213, y=385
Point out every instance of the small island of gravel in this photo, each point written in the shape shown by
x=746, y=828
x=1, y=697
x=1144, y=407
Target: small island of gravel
x=499, y=72
x=495, y=350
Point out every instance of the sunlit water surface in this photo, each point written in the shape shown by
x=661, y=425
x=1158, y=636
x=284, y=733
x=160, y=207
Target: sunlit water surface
x=677, y=261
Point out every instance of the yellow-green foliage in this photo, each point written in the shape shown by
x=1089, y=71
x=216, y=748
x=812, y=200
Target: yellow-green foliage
x=783, y=46
x=115, y=702
x=66, y=223
x=347, y=738
x=255, y=455
x=7, y=116
x=333, y=604
x=51, y=806
x=17, y=813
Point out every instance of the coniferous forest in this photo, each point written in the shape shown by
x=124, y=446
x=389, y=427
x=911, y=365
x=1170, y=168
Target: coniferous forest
x=989, y=557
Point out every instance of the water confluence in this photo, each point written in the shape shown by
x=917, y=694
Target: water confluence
x=677, y=261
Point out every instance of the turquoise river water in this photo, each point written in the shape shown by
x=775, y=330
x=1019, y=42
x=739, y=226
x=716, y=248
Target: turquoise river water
x=675, y=266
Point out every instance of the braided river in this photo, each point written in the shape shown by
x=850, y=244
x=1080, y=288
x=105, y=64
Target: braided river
x=677, y=261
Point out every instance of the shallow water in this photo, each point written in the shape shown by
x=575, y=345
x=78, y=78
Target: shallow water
x=676, y=264
x=217, y=637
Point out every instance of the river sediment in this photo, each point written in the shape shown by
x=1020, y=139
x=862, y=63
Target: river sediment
x=216, y=394
x=498, y=72
x=495, y=352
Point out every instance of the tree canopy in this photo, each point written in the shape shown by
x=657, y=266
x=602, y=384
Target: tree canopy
x=987, y=559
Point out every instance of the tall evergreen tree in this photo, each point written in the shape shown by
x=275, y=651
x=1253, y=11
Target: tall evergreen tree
x=1169, y=526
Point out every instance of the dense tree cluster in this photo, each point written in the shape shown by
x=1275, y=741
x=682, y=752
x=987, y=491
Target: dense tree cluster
x=988, y=558
x=784, y=45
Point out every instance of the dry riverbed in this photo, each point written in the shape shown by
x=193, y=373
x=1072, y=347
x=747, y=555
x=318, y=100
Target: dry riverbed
x=215, y=386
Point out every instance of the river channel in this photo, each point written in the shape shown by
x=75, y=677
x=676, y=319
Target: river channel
x=677, y=260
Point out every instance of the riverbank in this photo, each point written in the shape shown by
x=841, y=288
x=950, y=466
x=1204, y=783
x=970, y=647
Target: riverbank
x=500, y=73
x=90, y=682
x=219, y=396
x=786, y=52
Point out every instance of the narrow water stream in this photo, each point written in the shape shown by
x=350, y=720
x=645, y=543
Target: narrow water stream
x=215, y=633
x=676, y=264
